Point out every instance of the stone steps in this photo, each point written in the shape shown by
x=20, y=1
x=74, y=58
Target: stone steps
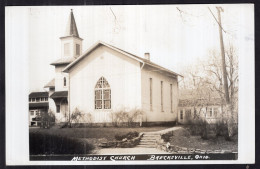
x=149, y=140
x=146, y=146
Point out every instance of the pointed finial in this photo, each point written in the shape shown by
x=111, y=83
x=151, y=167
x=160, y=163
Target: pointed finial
x=71, y=10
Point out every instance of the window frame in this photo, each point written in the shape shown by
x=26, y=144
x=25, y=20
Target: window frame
x=66, y=49
x=162, y=96
x=64, y=81
x=77, y=49
x=171, y=98
x=31, y=113
x=58, y=108
x=151, y=94
x=181, y=114
x=102, y=85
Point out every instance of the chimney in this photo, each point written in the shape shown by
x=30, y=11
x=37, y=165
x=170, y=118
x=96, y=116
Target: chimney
x=147, y=56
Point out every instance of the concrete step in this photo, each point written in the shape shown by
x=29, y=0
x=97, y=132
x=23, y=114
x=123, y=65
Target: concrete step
x=152, y=144
x=149, y=140
x=146, y=146
x=152, y=136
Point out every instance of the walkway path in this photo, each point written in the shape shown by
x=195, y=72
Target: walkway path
x=165, y=130
x=136, y=150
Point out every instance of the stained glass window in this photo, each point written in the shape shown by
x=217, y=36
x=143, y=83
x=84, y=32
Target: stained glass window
x=102, y=94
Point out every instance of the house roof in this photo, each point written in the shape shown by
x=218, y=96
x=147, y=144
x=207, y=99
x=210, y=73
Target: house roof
x=38, y=94
x=38, y=105
x=63, y=61
x=140, y=59
x=71, y=29
x=59, y=94
x=199, y=102
x=50, y=83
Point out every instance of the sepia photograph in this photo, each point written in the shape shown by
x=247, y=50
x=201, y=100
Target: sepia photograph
x=130, y=83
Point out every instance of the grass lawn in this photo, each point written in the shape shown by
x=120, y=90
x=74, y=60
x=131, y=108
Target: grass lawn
x=95, y=133
x=183, y=138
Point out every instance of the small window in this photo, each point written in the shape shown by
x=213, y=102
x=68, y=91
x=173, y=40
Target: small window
x=162, y=96
x=37, y=113
x=210, y=113
x=42, y=99
x=58, y=108
x=37, y=99
x=67, y=49
x=181, y=114
x=77, y=49
x=64, y=81
x=46, y=98
x=188, y=113
x=32, y=113
x=215, y=112
x=33, y=99
x=29, y=99
x=171, y=97
x=151, y=94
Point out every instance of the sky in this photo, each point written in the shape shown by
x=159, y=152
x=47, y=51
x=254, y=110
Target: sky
x=174, y=39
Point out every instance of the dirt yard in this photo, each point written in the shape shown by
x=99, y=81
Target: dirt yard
x=183, y=138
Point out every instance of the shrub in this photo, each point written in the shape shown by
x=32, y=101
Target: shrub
x=40, y=143
x=128, y=117
x=47, y=119
x=75, y=116
x=129, y=136
x=118, y=117
x=167, y=137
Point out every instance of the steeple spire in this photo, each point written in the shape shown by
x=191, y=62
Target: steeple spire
x=71, y=26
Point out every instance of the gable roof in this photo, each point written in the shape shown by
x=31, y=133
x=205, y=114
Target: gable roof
x=50, y=83
x=38, y=94
x=200, y=102
x=139, y=59
x=63, y=61
x=59, y=94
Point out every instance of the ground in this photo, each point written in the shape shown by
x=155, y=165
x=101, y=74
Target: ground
x=183, y=138
x=94, y=135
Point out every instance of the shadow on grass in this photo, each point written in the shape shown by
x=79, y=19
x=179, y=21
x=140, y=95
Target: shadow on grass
x=42, y=143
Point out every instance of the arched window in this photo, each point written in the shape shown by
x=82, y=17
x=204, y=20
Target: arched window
x=64, y=81
x=102, y=94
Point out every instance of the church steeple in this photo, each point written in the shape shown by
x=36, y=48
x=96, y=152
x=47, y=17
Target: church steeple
x=71, y=26
x=71, y=42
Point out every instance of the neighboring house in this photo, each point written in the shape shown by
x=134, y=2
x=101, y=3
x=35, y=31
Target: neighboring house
x=38, y=103
x=191, y=110
x=105, y=79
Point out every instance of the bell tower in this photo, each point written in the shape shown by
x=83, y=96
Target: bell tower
x=71, y=43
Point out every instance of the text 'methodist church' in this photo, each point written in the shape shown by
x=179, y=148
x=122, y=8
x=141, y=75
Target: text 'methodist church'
x=105, y=79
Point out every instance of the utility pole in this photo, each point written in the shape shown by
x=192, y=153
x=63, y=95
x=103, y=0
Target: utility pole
x=223, y=56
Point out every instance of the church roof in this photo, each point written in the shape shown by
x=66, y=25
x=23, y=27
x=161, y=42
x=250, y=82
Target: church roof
x=50, y=83
x=59, y=94
x=71, y=29
x=38, y=94
x=38, y=105
x=63, y=61
x=140, y=59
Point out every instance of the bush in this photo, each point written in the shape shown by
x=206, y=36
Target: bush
x=167, y=137
x=53, y=144
x=47, y=119
x=129, y=136
x=128, y=117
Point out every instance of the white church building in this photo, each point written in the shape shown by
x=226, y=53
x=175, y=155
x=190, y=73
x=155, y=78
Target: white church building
x=105, y=79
